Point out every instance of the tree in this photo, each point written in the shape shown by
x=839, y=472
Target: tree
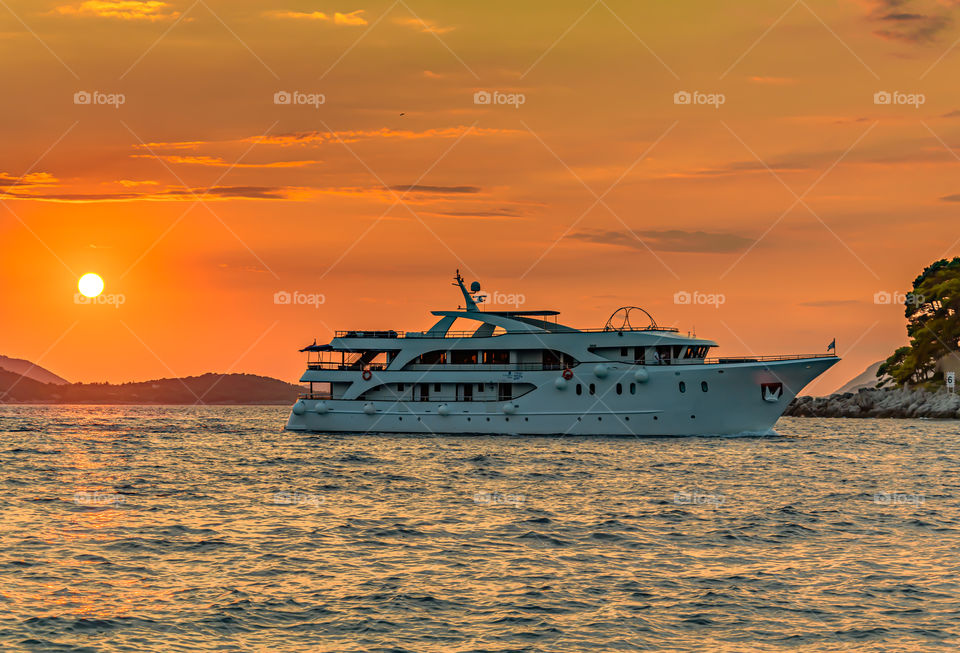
x=932, y=310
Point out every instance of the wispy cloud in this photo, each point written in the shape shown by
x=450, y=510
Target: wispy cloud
x=436, y=189
x=181, y=194
x=354, y=18
x=910, y=21
x=671, y=240
x=218, y=162
x=427, y=26
x=150, y=10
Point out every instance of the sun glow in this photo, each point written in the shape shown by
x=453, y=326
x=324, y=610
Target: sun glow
x=90, y=285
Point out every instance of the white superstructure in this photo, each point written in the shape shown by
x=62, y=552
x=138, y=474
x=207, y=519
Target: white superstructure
x=520, y=372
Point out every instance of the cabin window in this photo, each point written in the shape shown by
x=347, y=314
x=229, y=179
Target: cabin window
x=683, y=387
x=619, y=389
x=399, y=387
x=703, y=386
x=424, y=392
x=479, y=387
x=633, y=388
x=623, y=351
x=436, y=387
x=496, y=357
x=593, y=389
x=579, y=389
x=467, y=392
x=433, y=358
x=463, y=357
x=640, y=354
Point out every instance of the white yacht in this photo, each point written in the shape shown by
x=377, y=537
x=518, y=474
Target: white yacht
x=522, y=372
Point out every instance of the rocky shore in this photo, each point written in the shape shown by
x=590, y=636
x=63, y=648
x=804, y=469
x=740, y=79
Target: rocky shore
x=900, y=402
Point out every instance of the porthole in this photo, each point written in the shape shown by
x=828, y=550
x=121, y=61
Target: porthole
x=627, y=418
x=599, y=419
x=593, y=389
x=703, y=386
x=488, y=419
x=468, y=419
x=655, y=417
x=693, y=417
x=683, y=387
x=579, y=389
x=633, y=388
x=619, y=389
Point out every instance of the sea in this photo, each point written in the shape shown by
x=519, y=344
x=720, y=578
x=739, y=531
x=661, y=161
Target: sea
x=212, y=529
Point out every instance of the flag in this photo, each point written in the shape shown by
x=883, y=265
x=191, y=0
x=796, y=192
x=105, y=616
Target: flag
x=832, y=345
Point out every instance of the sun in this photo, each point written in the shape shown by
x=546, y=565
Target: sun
x=90, y=284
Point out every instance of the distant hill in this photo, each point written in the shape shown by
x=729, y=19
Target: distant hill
x=205, y=389
x=30, y=370
x=866, y=379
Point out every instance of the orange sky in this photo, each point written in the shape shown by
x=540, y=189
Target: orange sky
x=198, y=198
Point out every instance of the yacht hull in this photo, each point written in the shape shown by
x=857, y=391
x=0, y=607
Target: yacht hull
x=717, y=399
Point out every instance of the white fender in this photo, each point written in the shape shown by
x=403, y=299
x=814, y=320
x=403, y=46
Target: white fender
x=641, y=375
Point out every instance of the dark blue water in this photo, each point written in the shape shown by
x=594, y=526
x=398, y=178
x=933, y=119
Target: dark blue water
x=176, y=529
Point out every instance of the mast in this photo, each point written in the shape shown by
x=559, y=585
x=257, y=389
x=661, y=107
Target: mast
x=470, y=304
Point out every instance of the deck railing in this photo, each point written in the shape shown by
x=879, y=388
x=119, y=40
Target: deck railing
x=473, y=334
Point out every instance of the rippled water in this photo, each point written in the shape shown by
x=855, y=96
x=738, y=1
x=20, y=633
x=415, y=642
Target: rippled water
x=171, y=528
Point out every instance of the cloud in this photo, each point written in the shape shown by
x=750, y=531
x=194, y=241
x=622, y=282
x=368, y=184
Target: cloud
x=127, y=183
x=505, y=214
x=671, y=240
x=353, y=18
x=427, y=26
x=951, y=198
x=181, y=194
x=352, y=136
x=219, y=162
x=953, y=114
x=436, y=189
x=150, y=10
x=29, y=180
x=910, y=21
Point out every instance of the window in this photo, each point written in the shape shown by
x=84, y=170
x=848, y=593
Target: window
x=703, y=386
x=633, y=388
x=619, y=389
x=683, y=387
x=579, y=389
x=433, y=358
x=479, y=387
x=496, y=357
x=506, y=392
x=463, y=357
x=399, y=387
x=623, y=351
x=593, y=389
x=436, y=387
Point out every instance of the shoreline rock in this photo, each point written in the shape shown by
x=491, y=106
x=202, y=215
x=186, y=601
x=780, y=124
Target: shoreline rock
x=898, y=402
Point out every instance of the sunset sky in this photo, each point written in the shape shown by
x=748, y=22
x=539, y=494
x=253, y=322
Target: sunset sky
x=144, y=141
